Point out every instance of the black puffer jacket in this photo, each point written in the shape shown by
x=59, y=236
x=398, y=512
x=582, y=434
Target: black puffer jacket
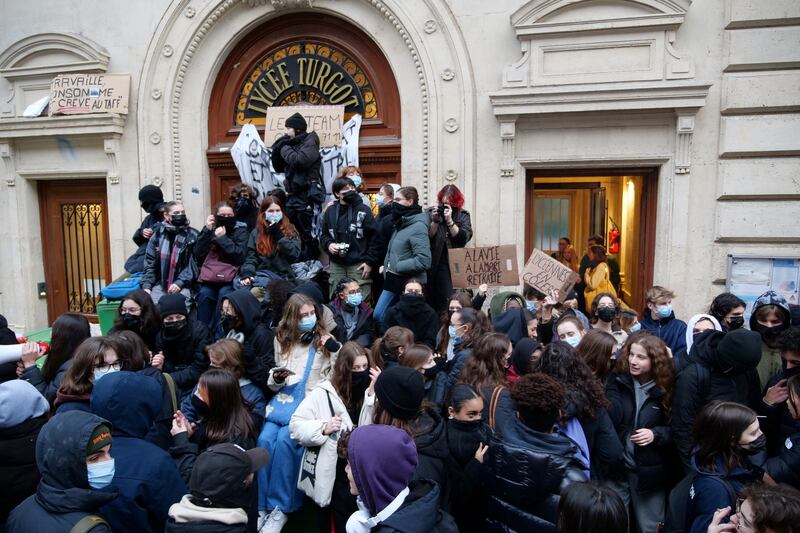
x=651, y=460
x=467, y=493
x=63, y=497
x=258, y=349
x=779, y=424
x=185, y=357
x=524, y=473
x=414, y=313
x=279, y=262
x=299, y=159
x=785, y=467
x=354, y=225
x=232, y=247
x=430, y=436
x=721, y=366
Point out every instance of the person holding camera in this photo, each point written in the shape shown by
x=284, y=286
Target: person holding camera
x=348, y=235
x=451, y=227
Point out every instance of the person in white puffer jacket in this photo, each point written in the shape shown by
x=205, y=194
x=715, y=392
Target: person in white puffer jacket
x=325, y=414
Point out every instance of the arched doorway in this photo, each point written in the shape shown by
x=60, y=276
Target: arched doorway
x=314, y=58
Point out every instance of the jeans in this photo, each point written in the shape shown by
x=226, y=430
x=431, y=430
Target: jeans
x=386, y=300
x=208, y=303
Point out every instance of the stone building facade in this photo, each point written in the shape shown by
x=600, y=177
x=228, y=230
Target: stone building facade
x=699, y=101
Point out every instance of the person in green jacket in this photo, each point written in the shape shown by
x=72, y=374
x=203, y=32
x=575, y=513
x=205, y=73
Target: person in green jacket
x=408, y=254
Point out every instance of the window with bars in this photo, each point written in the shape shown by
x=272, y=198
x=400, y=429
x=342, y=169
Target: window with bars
x=551, y=219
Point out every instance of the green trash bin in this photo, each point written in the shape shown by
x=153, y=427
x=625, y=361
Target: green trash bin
x=106, y=311
x=40, y=335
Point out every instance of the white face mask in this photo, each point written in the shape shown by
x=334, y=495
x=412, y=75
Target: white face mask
x=100, y=373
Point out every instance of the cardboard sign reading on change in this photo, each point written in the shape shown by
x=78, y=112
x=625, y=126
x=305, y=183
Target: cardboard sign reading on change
x=545, y=274
x=494, y=265
x=326, y=120
x=78, y=94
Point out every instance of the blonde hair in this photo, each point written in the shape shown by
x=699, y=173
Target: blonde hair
x=658, y=292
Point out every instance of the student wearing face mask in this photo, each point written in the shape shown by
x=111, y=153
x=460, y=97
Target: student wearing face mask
x=422, y=359
x=94, y=358
x=414, y=313
x=729, y=310
x=458, y=301
x=659, y=319
x=784, y=464
x=220, y=250
x=629, y=321
x=468, y=437
x=781, y=422
x=146, y=475
x=524, y=356
x=721, y=366
x=245, y=207
x=385, y=198
x=329, y=411
x=239, y=321
x=466, y=328
x=352, y=314
x=570, y=330
x=151, y=199
x=304, y=354
x=605, y=311
x=694, y=328
x=271, y=249
x=138, y=313
x=73, y=454
x=221, y=491
x=181, y=344
x=770, y=317
x=169, y=263
x=726, y=437
x=347, y=234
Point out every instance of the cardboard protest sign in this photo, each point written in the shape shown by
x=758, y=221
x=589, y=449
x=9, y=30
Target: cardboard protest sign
x=545, y=274
x=326, y=120
x=494, y=265
x=79, y=94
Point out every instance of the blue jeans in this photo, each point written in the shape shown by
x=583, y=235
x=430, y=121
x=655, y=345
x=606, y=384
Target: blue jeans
x=277, y=482
x=384, y=303
x=208, y=303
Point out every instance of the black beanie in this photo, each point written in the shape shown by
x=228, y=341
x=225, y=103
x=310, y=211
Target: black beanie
x=172, y=304
x=150, y=194
x=297, y=122
x=738, y=351
x=400, y=391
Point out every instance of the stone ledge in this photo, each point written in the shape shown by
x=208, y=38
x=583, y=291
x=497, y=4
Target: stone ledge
x=72, y=125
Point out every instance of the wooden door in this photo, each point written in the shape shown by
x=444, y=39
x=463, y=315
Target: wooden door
x=74, y=220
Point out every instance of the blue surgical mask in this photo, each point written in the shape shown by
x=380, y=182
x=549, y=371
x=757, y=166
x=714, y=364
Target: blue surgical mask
x=452, y=331
x=531, y=305
x=664, y=311
x=307, y=323
x=573, y=341
x=100, y=474
x=273, y=218
x=355, y=299
x=356, y=180
x=100, y=373
x=380, y=200
x=636, y=327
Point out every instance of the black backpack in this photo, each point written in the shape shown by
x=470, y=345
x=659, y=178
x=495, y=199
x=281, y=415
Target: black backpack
x=675, y=520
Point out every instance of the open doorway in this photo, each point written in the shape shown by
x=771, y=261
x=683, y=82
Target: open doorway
x=619, y=204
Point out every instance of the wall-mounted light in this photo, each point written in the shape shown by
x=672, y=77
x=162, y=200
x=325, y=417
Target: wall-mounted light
x=41, y=289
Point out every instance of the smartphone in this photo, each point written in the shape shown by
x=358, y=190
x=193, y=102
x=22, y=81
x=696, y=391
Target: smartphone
x=282, y=369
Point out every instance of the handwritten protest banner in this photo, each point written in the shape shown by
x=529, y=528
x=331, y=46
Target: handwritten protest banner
x=545, y=274
x=326, y=120
x=494, y=265
x=79, y=94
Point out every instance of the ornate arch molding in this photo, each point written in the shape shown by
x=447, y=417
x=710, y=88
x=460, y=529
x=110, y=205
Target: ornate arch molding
x=436, y=53
x=88, y=56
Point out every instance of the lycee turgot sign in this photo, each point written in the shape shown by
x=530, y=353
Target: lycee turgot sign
x=310, y=72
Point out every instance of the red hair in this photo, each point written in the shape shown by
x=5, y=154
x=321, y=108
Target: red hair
x=265, y=244
x=453, y=195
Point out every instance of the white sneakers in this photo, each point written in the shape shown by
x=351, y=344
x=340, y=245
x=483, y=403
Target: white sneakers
x=272, y=522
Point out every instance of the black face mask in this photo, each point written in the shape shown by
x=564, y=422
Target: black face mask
x=359, y=384
x=228, y=322
x=412, y=300
x=200, y=406
x=149, y=207
x=735, y=322
x=131, y=322
x=769, y=334
x=789, y=372
x=173, y=330
x=430, y=373
x=465, y=425
x=243, y=206
x=401, y=211
x=349, y=197
x=178, y=220
x=757, y=446
x=223, y=221
x=606, y=314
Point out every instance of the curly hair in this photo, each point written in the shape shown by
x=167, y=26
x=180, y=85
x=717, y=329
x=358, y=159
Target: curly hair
x=266, y=245
x=662, y=366
x=596, y=304
x=596, y=348
x=789, y=340
x=485, y=366
x=539, y=399
x=584, y=391
x=723, y=304
x=775, y=508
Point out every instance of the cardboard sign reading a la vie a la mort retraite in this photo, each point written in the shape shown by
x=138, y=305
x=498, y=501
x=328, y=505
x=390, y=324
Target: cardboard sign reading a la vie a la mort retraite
x=545, y=274
x=326, y=120
x=79, y=94
x=495, y=266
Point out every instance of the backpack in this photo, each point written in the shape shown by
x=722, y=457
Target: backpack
x=678, y=503
x=117, y=290
x=88, y=523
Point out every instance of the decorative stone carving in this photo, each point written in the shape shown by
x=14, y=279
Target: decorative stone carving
x=430, y=26
x=156, y=94
x=168, y=50
x=8, y=164
x=280, y=4
x=448, y=74
x=155, y=137
x=111, y=147
x=451, y=175
x=190, y=12
x=157, y=181
x=451, y=125
x=683, y=143
x=508, y=127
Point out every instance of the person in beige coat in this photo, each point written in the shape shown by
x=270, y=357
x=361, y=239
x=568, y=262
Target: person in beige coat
x=328, y=412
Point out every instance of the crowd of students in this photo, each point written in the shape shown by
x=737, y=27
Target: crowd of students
x=238, y=391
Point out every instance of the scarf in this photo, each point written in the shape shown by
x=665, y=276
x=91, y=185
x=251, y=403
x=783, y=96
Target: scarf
x=169, y=250
x=362, y=522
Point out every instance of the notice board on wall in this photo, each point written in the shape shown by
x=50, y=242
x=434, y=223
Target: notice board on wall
x=751, y=276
